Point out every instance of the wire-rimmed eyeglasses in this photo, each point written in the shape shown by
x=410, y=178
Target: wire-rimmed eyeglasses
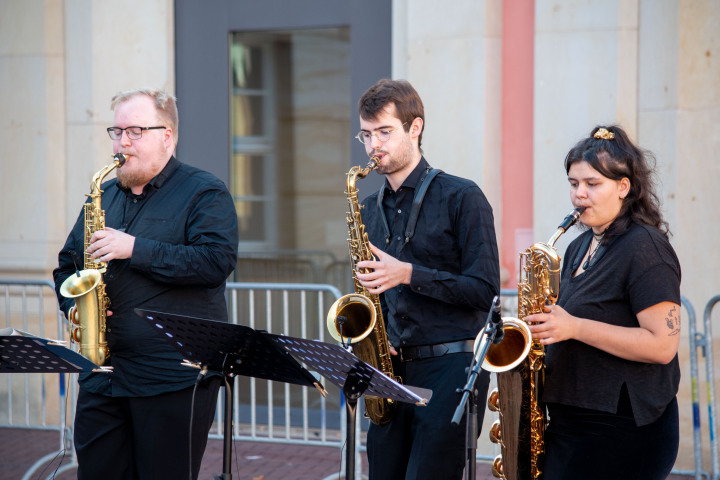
x=382, y=134
x=133, y=133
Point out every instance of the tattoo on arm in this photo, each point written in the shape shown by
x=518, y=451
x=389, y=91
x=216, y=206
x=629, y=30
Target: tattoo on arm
x=672, y=320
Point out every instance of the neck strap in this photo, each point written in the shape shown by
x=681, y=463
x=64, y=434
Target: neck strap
x=420, y=192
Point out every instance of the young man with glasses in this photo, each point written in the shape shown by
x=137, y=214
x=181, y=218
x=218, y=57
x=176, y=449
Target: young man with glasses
x=436, y=278
x=170, y=243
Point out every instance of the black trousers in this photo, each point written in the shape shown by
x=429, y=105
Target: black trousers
x=589, y=444
x=421, y=442
x=143, y=438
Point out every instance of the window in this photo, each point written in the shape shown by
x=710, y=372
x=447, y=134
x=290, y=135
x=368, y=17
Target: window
x=290, y=125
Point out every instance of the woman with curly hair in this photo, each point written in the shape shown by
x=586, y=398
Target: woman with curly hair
x=612, y=338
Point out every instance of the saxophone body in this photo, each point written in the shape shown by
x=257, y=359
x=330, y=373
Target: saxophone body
x=520, y=430
x=357, y=318
x=88, y=316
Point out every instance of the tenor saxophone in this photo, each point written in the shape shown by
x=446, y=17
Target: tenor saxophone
x=357, y=318
x=88, y=317
x=520, y=431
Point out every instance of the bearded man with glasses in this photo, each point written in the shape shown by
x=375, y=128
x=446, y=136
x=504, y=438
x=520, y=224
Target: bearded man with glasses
x=170, y=244
x=436, y=271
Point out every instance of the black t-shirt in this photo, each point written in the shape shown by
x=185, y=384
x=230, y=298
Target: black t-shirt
x=635, y=271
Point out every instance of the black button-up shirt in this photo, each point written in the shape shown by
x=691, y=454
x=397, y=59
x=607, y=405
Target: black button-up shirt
x=456, y=269
x=186, y=238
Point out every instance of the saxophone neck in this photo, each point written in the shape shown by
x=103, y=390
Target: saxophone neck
x=567, y=222
x=118, y=161
x=357, y=172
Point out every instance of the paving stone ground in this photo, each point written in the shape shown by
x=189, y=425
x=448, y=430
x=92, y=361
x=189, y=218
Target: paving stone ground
x=21, y=448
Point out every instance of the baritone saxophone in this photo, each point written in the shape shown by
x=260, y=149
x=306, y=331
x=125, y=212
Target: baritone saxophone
x=519, y=363
x=89, y=315
x=357, y=318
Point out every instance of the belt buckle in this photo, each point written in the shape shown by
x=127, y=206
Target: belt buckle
x=402, y=356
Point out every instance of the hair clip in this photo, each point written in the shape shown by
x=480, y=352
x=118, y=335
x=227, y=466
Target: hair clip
x=604, y=134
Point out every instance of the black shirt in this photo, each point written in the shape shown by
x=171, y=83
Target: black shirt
x=456, y=270
x=186, y=237
x=637, y=270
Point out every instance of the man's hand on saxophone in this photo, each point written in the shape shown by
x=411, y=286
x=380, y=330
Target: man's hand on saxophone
x=385, y=272
x=110, y=244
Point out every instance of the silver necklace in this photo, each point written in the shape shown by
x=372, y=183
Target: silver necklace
x=598, y=239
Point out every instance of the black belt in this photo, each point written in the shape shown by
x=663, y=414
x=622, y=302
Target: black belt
x=408, y=354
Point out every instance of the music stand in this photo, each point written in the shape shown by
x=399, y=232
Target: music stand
x=25, y=353
x=354, y=377
x=232, y=350
x=21, y=352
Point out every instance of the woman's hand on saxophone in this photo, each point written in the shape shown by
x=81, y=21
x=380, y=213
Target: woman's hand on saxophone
x=383, y=273
x=654, y=340
x=110, y=244
x=552, y=326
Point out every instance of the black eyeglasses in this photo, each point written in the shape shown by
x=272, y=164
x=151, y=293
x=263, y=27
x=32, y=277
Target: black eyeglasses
x=133, y=133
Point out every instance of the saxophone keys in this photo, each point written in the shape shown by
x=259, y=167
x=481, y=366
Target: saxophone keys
x=73, y=316
x=75, y=334
x=495, y=432
x=497, y=468
x=494, y=401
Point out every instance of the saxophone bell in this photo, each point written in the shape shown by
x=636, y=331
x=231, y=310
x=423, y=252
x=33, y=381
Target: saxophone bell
x=83, y=330
x=351, y=318
x=513, y=349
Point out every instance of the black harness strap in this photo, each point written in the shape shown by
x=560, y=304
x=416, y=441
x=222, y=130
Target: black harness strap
x=417, y=202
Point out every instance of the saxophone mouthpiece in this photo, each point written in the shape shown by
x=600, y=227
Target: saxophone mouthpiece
x=570, y=220
x=120, y=158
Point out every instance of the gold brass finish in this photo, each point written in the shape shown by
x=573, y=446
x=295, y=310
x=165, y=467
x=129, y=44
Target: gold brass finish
x=360, y=313
x=521, y=432
x=88, y=316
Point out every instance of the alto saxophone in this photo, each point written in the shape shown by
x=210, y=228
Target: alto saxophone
x=357, y=318
x=520, y=369
x=88, y=316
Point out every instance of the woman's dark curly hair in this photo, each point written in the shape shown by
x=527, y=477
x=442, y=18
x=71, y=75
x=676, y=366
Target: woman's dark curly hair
x=609, y=151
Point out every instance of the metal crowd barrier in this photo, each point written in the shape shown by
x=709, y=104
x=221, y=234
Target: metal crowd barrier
x=704, y=342
x=31, y=306
x=265, y=411
x=268, y=411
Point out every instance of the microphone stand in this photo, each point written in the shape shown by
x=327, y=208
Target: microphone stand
x=491, y=333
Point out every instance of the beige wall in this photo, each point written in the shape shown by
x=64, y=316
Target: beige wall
x=60, y=63
x=32, y=132
x=452, y=57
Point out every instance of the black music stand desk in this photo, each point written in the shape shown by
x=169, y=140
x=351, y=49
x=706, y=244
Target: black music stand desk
x=232, y=350
x=240, y=350
x=21, y=352
x=354, y=377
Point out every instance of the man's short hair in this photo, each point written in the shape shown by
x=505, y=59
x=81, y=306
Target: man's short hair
x=408, y=104
x=165, y=104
